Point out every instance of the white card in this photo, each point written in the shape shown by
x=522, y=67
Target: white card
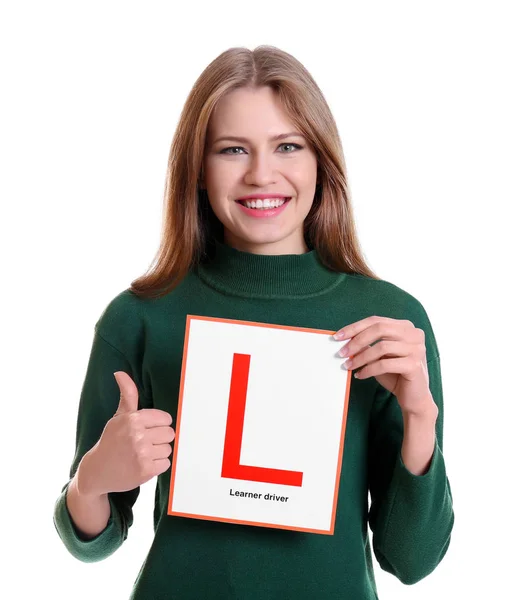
x=260, y=426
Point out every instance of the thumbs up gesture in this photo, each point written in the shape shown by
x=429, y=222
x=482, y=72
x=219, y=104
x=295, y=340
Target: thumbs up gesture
x=133, y=448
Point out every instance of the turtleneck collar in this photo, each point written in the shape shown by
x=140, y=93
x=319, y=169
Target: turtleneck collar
x=239, y=273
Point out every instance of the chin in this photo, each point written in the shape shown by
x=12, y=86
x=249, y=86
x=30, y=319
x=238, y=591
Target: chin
x=270, y=243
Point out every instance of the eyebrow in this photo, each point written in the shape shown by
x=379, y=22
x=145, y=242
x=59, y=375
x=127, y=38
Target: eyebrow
x=272, y=139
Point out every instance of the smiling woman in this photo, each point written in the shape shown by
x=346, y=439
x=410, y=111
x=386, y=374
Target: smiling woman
x=258, y=228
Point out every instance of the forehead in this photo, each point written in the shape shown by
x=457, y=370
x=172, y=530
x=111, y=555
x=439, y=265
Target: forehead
x=254, y=114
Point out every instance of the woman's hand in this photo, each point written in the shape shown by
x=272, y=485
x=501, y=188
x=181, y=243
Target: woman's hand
x=398, y=361
x=134, y=446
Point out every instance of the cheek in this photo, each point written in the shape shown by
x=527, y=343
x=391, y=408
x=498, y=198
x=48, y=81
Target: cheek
x=304, y=174
x=220, y=179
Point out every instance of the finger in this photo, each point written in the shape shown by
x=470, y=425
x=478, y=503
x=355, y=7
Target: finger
x=370, y=336
x=128, y=393
x=160, y=435
x=397, y=366
x=354, y=328
x=154, y=417
x=384, y=349
x=161, y=451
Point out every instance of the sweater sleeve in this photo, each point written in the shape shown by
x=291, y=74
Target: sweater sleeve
x=411, y=516
x=98, y=403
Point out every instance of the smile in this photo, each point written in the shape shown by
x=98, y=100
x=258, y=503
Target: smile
x=263, y=208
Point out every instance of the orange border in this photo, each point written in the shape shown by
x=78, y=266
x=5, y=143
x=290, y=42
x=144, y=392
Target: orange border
x=177, y=432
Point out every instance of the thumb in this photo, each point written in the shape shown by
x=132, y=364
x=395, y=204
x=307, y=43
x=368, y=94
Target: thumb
x=128, y=398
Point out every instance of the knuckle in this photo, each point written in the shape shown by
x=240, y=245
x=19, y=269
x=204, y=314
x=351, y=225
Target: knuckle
x=134, y=425
x=136, y=418
x=138, y=437
x=384, y=346
x=141, y=452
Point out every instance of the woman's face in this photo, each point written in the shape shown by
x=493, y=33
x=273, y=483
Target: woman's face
x=235, y=168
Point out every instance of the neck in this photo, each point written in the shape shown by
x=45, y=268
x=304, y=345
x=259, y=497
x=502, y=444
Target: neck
x=241, y=273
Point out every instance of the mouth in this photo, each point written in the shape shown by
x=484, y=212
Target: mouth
x=263, y=209
x=264, y=205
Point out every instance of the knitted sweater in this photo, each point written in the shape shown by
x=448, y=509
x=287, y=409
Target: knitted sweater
x=411, y=516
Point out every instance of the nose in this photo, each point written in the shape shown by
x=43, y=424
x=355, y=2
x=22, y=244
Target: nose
x=260, y=171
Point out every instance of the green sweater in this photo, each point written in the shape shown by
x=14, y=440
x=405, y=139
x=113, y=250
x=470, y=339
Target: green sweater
x=411, y=516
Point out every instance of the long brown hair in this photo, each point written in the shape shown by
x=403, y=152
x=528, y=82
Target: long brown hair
x=189, y=224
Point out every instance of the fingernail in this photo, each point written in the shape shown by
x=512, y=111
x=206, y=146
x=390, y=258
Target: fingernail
x=338, y=335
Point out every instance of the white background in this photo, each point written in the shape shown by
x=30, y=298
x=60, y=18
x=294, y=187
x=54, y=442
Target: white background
x=431, y=103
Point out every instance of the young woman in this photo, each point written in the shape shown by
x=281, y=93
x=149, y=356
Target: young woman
x=257, y=126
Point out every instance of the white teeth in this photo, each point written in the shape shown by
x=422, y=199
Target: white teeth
x=266, y=203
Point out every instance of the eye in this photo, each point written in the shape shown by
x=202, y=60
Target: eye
x=225, y=150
